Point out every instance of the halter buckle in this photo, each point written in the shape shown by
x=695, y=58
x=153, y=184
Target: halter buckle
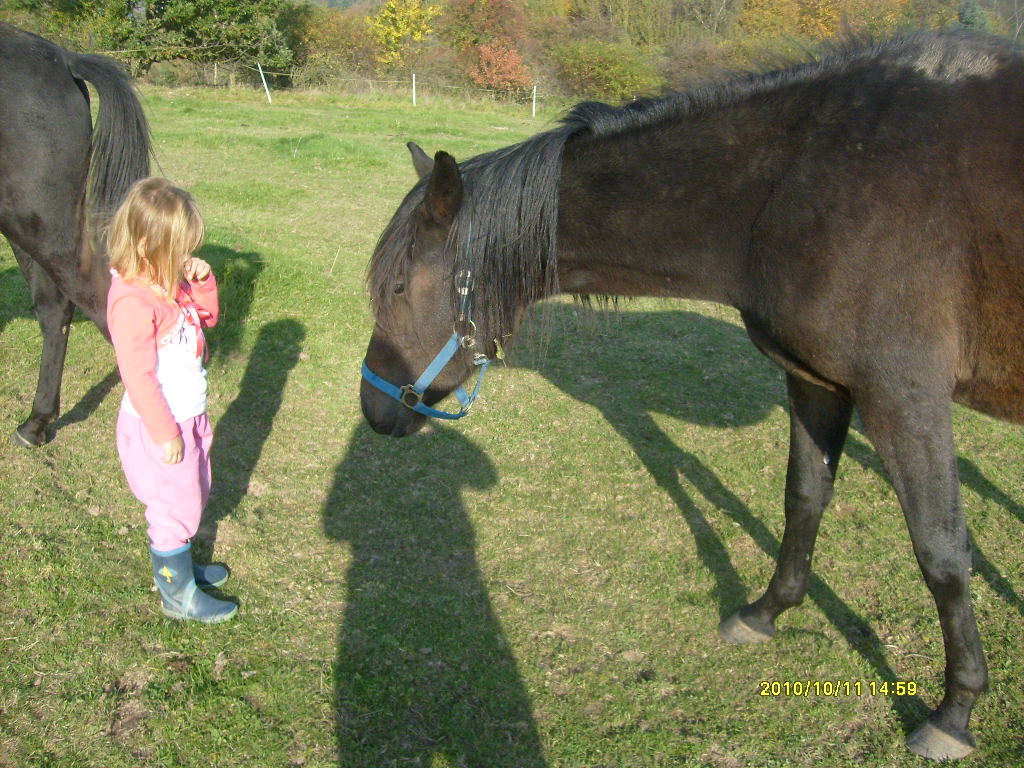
x=409, y=397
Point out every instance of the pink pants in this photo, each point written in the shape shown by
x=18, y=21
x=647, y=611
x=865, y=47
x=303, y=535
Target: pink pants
x=174, y=494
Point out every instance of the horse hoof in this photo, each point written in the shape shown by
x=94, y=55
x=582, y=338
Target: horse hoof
x=736, y=630
x=23, y=441
x=934, y=743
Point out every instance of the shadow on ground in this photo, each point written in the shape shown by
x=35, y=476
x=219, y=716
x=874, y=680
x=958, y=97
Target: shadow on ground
x=424, y=671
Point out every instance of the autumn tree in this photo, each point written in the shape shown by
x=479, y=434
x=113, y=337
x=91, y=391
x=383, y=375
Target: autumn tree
x=398, y=28
x=143, y=32
x=769, y=18
x=331, y=45
x=716, y=16
x=484, y=36
x=970, y=16
x=932, y=14
x=218, y=30
x=470, y=23
x=820, y=18
x=499, y=67
x=607, y=71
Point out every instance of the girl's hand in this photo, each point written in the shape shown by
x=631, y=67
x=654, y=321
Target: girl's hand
x=174, y=450
x=196, y=270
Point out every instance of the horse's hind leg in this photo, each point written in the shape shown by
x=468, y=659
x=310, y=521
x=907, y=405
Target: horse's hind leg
x=819, y=421
x=914, y=437
x=53, y=311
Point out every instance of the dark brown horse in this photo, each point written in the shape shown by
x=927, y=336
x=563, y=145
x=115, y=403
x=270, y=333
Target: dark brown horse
x=865, y=214
x=59, y=183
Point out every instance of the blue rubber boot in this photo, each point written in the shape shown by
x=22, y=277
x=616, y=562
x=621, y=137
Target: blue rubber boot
x=181, y=596
x=209, y=576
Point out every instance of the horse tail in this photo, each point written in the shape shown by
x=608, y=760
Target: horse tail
x=121, y=145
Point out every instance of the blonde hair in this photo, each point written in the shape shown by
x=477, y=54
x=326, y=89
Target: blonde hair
x=153, y=232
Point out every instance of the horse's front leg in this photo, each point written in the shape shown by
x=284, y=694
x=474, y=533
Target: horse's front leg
x=53, y=311
x=819, y=421
x=914, y=437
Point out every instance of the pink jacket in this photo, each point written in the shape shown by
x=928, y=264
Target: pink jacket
x=160, y=350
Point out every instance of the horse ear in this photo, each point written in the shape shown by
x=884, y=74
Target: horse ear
x=444, y=190
x=420, y=160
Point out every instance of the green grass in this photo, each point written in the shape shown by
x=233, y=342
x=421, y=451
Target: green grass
x=538, y=585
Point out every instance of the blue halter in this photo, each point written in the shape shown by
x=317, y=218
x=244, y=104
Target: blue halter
x=411, y=395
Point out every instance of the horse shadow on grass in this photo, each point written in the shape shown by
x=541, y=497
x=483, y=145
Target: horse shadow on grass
x=734, y=387
x=424, y=676
x=970, y=477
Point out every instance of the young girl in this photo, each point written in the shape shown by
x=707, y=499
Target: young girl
x=161, y=297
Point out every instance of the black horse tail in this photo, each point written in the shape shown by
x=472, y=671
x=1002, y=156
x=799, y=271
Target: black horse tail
x=121, y=145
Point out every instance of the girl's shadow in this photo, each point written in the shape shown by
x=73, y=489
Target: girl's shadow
x=423, y=670
x=242, y=431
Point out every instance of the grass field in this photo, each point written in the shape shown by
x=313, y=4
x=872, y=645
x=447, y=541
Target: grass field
x=538, y=585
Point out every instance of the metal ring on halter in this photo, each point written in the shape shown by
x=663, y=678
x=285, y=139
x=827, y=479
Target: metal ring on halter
x=466, y=340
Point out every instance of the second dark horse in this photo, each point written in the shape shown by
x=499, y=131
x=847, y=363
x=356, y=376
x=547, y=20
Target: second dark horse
x=59, y=182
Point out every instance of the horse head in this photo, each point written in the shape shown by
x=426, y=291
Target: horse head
x=424, y=343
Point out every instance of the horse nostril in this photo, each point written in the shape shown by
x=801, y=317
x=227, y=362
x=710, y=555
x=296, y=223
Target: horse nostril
x=400, y=288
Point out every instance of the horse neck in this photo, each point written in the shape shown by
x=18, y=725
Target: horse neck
x=668, y=209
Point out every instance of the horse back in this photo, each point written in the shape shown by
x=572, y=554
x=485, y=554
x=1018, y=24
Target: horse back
x=36, y=83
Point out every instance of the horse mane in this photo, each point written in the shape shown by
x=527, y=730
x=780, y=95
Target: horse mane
x=946, y=56
x=504, y=233
x=506, y=229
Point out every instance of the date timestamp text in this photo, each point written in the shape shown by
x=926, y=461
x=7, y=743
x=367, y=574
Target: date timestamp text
x=837, y=688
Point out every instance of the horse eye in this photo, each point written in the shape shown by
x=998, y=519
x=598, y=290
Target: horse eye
x=399, y=287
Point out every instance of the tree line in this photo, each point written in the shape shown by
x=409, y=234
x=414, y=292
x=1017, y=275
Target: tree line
x=607, y=49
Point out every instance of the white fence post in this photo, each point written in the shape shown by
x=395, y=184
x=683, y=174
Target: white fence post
x=264, y=79
x=414, y=89
x=533, y=113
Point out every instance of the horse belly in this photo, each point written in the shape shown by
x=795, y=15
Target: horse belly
x=993, y=382
x=1001, y=396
